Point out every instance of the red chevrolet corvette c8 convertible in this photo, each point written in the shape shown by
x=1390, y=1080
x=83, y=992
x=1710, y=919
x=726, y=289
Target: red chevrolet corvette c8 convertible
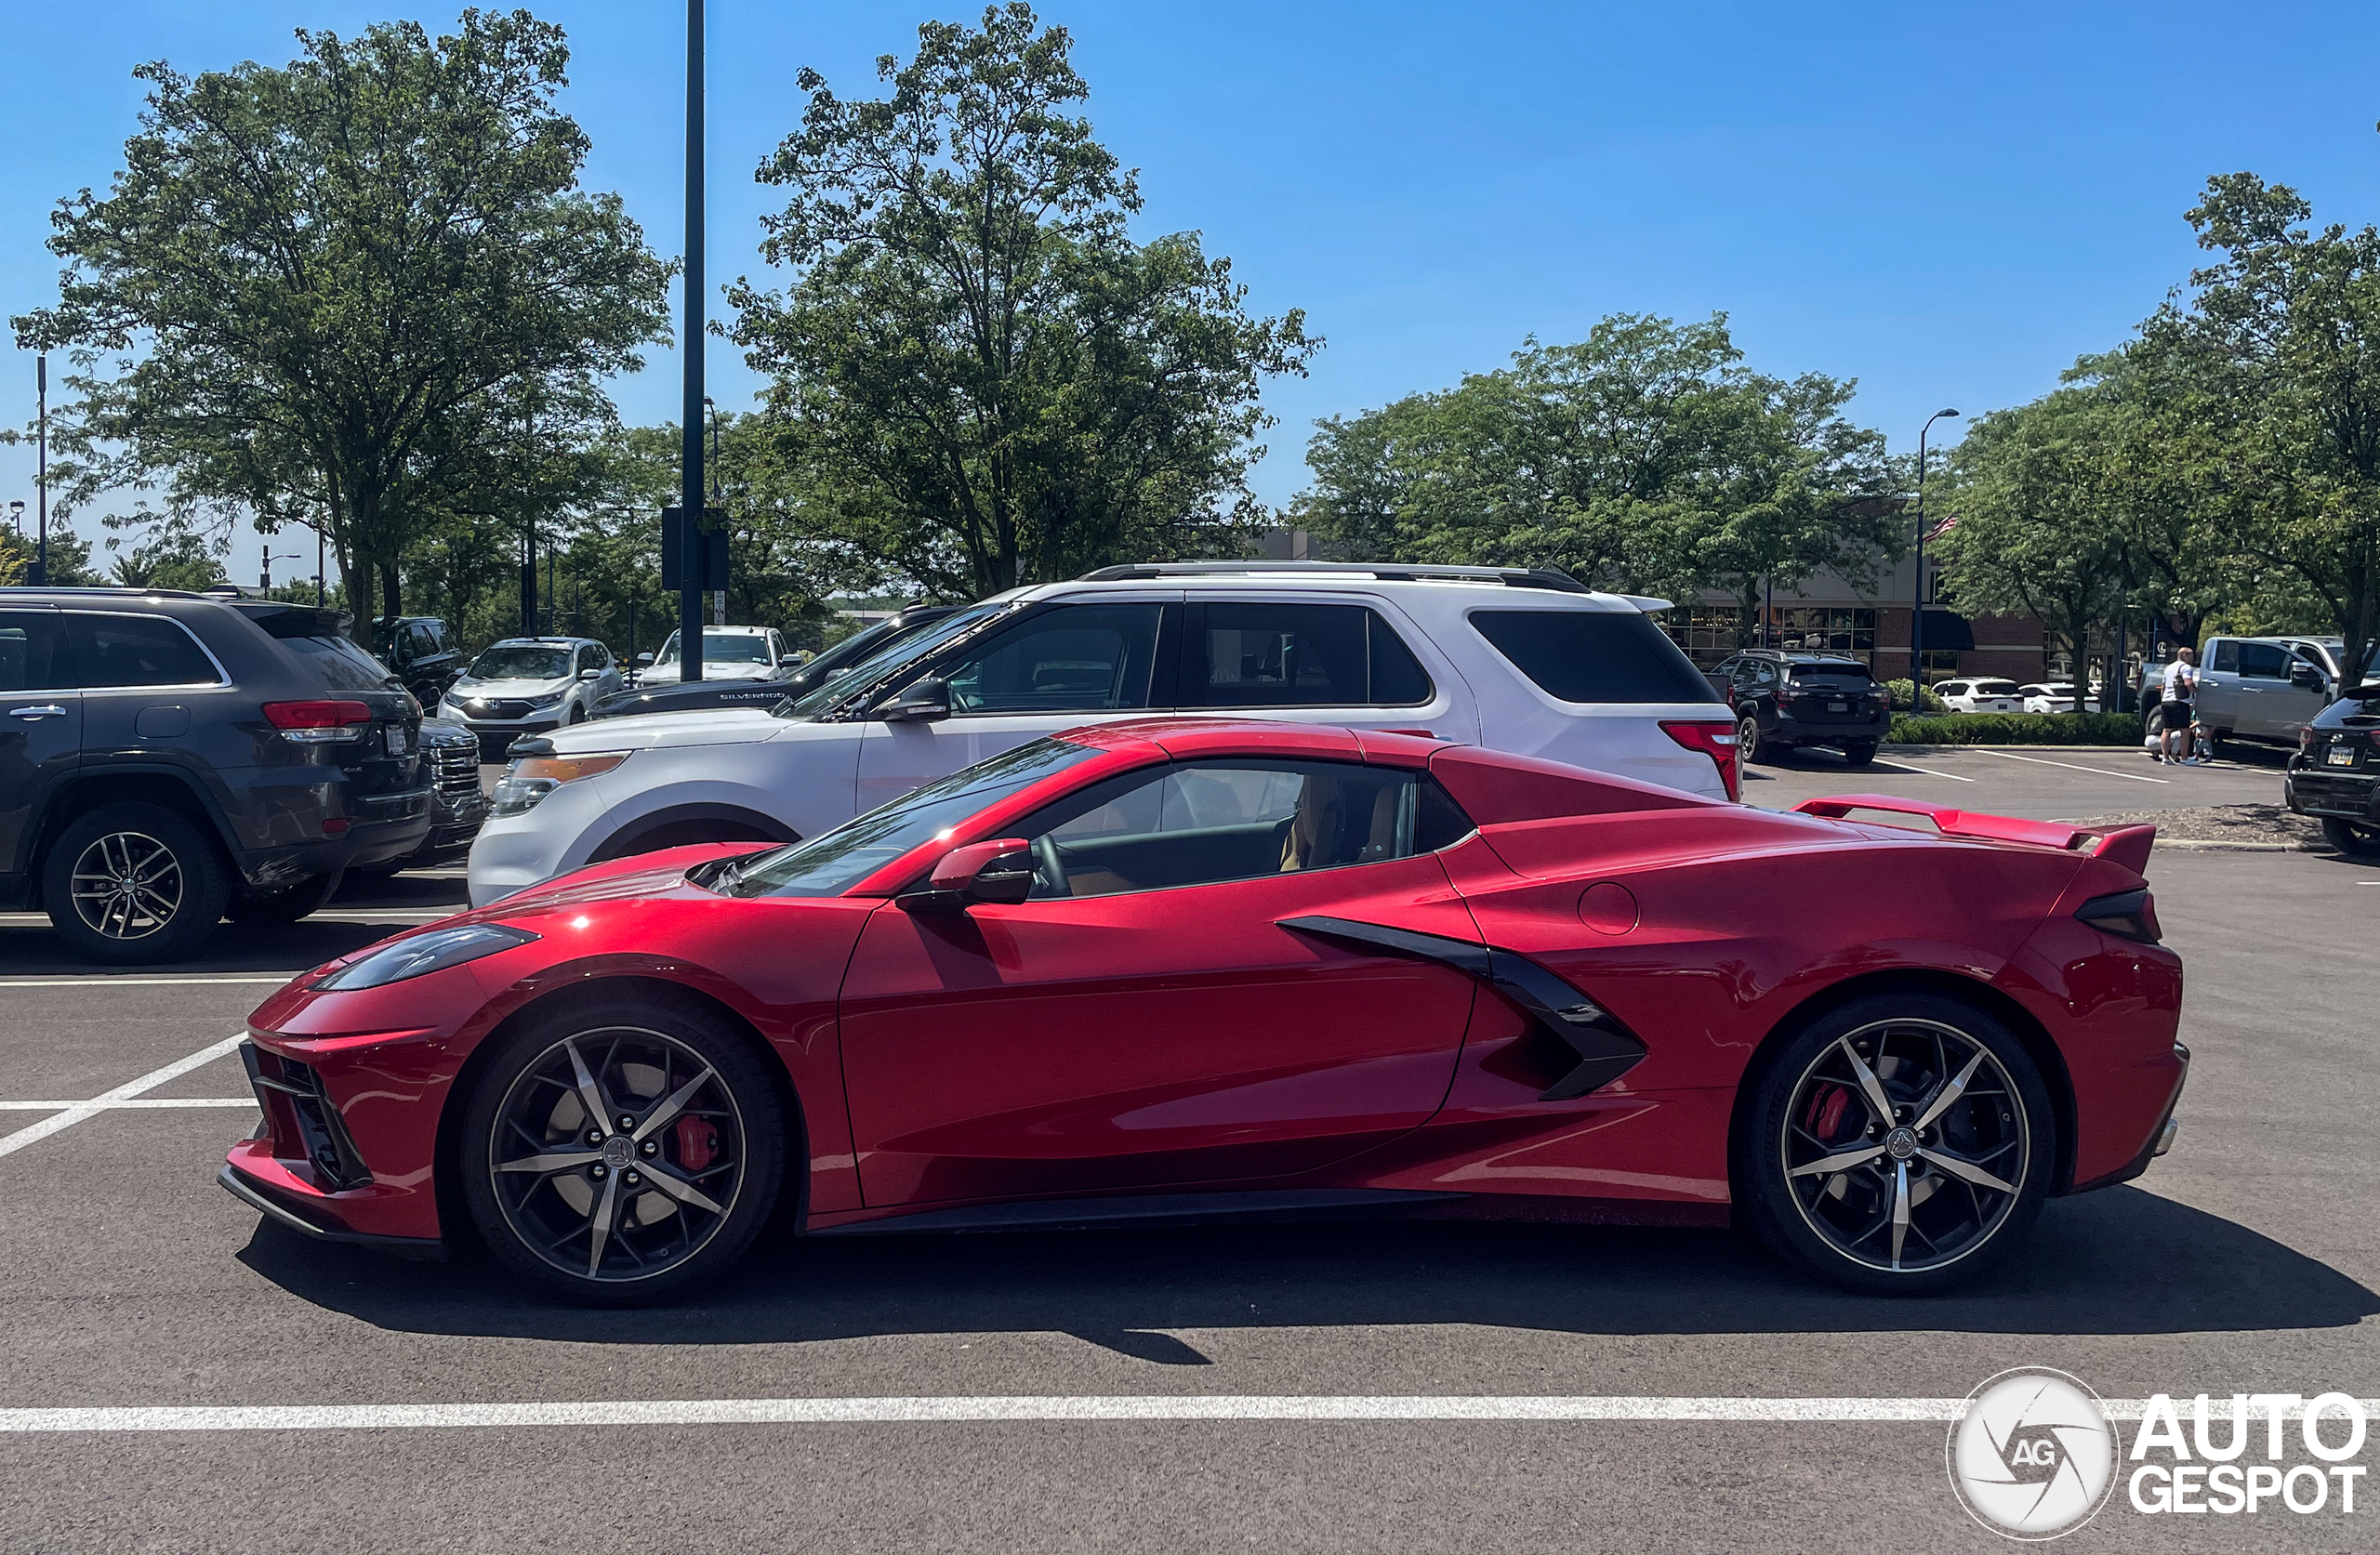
x=1200, y=969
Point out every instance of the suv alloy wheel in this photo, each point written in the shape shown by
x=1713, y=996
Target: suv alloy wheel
x=131, y=883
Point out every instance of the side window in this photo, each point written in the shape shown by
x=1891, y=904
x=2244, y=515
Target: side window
x=422, y=640
x=1254, y=653
x=2264, y=661
x=1593, y=655
x=32, y=654
x=2226, y=656
x=589, y=658
x=136, y=651
x=1198, y=823
x=1072, y=659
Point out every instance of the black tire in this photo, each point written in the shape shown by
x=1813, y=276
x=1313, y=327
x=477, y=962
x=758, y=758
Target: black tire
x=1747, y=738
x=639, y=1051
x=2357, y=839
x=286, y=906
x=1839, y=1223
x=1859, y=753
x=186, y=883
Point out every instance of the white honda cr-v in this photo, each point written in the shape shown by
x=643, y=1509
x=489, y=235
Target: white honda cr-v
x=1529, y=662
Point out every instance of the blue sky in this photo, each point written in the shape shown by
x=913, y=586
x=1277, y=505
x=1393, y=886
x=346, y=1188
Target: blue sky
x=1948, y=204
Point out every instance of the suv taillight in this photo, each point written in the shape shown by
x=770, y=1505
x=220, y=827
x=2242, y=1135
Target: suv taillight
x=2308, y=739
x=1716, y=740
x=311, y=722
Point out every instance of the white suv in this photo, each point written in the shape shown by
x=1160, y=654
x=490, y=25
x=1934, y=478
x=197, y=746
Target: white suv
x=1529, y=662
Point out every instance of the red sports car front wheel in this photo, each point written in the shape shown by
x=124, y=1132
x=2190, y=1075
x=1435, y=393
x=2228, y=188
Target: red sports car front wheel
x=1899, y=1144
x=617, y=1150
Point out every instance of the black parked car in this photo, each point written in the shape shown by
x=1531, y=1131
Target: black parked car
x=1806, y=699
x=450, y=755
x=2335, y=774
x=674, y=697
x=419, y=650
x=168, y=758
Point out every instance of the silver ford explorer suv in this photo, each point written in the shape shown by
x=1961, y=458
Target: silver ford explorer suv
x=1530, y=661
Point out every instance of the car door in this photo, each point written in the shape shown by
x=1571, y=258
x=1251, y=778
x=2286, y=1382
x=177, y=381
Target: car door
x=40, y=723
x=2290, y=706
x=1087, y=1040
x=2264, y=690
x=1054, y=667
x=2219, y=695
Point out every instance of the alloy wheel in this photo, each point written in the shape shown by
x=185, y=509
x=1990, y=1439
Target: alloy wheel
x=126, y=885
x=1906, y=1145
x=619, y=1153
x=1747, y=740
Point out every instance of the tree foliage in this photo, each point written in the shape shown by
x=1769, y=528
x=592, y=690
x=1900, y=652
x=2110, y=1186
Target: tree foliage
x=980, y=379
x=1646, y=458
x=320, y=294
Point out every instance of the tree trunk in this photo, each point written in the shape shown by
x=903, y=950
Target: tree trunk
x=391, y=607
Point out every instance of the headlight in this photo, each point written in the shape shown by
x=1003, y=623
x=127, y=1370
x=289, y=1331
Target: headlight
x=548, y=700
x=424, y=953
x=533, y=777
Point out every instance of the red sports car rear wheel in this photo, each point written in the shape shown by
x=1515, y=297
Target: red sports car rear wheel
x=619, y=1150
x=1901, y=1144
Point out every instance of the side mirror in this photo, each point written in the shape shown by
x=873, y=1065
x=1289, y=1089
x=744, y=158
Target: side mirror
x=999, y=873
x=591, y=674
x=643, y=659
x=2306, y=678
x=790, y=660
x=920, y=702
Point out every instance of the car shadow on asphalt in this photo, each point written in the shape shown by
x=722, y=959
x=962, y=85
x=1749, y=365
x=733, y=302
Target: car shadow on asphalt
x=2120, y=1261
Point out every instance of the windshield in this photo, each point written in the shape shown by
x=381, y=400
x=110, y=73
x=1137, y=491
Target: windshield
x=722, y=648
x=907, y=652
x=523, y=664
x=837, y=859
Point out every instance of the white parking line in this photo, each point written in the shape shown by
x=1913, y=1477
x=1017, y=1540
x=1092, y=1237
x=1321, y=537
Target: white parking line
x=906, y=1411
x=1919, y=771
x=32, y=1133
x=2070, y=766
x=249, y=1102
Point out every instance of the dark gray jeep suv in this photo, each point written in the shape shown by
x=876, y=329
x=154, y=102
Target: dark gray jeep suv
x=167, y=759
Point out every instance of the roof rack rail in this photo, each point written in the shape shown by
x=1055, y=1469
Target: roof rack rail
x=1387, y=571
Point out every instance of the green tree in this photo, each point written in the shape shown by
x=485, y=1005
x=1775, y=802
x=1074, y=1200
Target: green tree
x=312, y=290
x=980, y=379
x=2288, y=320
x=1647, y=457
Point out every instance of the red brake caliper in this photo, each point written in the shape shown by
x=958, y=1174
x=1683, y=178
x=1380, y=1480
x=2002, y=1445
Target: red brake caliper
x=1826, y=1112
x=697, y=1142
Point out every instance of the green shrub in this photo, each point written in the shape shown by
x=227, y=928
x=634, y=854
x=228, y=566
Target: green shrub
x=1899, y=690
x=2019, y=728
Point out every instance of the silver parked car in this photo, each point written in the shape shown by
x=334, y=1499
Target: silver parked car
x=530, y=685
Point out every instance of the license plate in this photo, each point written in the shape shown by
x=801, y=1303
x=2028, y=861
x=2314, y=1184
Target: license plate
x=398, y=742
x=2339, y=756
x=1838, y=707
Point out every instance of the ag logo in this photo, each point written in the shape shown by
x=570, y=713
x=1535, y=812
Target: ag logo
x=2035, y=1455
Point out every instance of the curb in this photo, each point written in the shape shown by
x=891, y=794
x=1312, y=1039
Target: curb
x=2246, y=847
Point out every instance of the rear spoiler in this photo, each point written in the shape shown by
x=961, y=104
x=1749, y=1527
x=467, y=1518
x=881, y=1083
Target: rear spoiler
x=2126, y=845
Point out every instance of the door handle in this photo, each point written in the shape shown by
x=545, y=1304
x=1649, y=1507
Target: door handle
x=47, y=710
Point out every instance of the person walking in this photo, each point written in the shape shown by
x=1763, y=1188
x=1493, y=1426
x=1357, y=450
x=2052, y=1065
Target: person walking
x=2181, y=691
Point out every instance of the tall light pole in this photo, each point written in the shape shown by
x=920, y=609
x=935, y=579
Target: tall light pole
x=690, y=484
x=17, y=516
x=718, y=595
x=39, y=574
x=1917, y=608
x=264, y=574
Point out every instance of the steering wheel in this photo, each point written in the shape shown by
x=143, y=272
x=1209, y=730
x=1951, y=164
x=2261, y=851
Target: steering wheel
x=1048, y=870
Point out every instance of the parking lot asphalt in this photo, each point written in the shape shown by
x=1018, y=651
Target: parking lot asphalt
x=2040, y=782
x=2247, y=1261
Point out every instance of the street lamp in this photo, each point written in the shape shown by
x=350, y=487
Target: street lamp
x=17, y=516
x=39, y=574
x=719, y=596
x=1917, y=609
x=264, y=576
